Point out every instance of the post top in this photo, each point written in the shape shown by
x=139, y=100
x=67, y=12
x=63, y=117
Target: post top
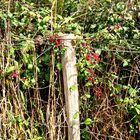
x=68, y=36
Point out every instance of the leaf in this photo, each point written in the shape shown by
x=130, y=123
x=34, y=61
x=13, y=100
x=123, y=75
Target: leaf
x=73, y=87
x=98, y=51
x=30, y=66
x=46, y=19
x=88, y=84
x=88, y=95
x=118, y=87
x=26, y=84
x=88, y=121
x=39, y=138
x=60, y=17
x=33, y=81
x=59, y=66
x=126, y=100
x=93, y=26
x=76, y=115
x=66, y=20
x=138, y=106
x=77, y=31
x=10, y=69
x=89, y=7
x=114, y=76
x=120, y=6
x=137, y=110
x=125, y=87
x=32, y=14
x=10, y=14
x=12, y=51
x=132, y=92
x=108, y=1
x=125, y=63
x=26, y=122
x=16, y=64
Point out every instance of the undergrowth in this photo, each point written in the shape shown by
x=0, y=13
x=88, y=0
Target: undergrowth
x=32, y=102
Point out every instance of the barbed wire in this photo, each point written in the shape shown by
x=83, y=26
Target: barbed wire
x=106, y=50
x=60, y=38
x=117, y=50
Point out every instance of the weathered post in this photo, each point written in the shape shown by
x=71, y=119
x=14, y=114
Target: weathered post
x=71, y=87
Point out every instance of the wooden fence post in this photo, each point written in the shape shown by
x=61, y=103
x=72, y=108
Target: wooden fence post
x=71, y=87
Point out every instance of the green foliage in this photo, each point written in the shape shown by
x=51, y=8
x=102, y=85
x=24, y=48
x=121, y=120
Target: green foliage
x=88, y=121
x=107, y=62
x=75, y=116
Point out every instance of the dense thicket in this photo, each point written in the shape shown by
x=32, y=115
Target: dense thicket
x=31, y=85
